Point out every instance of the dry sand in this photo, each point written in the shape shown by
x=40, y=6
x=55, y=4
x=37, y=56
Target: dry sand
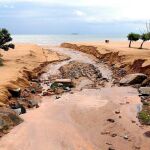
x=131, y=54
x=23, y=56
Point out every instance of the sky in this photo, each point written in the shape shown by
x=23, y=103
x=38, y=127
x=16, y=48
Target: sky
x=104, y=17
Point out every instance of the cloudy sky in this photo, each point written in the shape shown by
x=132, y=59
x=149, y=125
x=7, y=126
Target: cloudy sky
x=105, y=17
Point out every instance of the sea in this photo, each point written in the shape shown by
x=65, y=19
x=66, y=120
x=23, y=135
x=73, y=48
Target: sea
x=58, y=39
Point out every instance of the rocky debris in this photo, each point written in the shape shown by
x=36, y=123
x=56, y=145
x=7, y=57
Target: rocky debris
x=137, y=147
x=114, y=135
x=111, y=120
x=121, y=72
x=64, y=81
x=58, y=97
x=105, y=132
x=33, y=103
x=146, y=82
x=126, y=137
x=35, y=87
x=117, y=112
x=144, y=91
x=132, y=79
x=111, y=148
x=75, y=70
x=133, y=121
x=25, y=93
x=18, y=111
x=17, y=107
x=58, y=86
x=8, y=118
x=108, y=143
x=147, y=134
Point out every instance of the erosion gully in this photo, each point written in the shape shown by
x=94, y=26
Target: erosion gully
x=78, y=119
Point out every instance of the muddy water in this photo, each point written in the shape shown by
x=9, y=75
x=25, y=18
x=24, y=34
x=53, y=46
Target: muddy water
x=76, y=120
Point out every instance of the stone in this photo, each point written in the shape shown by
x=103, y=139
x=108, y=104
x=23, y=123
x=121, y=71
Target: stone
x=58, y=97
x=147, y=134
x=18, y=111
x=117, y=112
x=137, y=147
x=111, y=148
x=66, y=84
x=144, y=91
x=146, y=82
x=15, y=92
x=33, y=90
x=114, y=135
x=17, y=107
x=105, y=132
x=32, y=103
x=8, y=118
x=111, y=120
x=132, y=79
x=108, y=143
x=133, y=121
x=126, y=137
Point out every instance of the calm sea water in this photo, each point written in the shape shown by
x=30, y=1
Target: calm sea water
x=58, y=39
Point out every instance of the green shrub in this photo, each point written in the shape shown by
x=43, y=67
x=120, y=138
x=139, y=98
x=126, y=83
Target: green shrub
x=144, y=37
x=144, y=117
x=133, y=37
x=5, y=39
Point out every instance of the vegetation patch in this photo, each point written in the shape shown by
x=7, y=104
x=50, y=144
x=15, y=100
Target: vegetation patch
x=144, y=117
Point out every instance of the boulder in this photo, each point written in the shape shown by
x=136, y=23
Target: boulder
x=64, y=82
x=144, y=91
x=33, y=103
x=15, y=92
x=132, y=79
x=8, y=118
x=17, y=107
x=18, y=111
x=146, y=82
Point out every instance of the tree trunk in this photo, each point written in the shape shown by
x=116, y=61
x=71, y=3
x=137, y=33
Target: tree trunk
x=142, y=45
x=130, y=44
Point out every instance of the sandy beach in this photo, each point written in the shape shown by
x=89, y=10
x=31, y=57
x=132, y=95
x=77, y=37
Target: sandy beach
x=78, y=119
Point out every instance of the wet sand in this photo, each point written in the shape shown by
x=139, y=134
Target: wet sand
x=77, y=121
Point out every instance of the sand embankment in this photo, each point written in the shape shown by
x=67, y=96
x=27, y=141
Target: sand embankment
x=20, y=63
x=118, y=55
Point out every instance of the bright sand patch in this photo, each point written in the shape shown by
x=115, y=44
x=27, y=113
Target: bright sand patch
x=24, y=55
